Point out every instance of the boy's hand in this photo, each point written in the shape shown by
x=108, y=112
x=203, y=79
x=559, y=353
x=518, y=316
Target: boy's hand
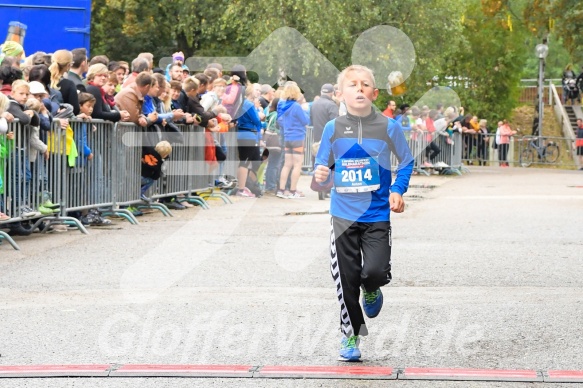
x=47, y=154
x=90, y=157
x=396, y=203
x=321, y=173
x=83, y=116
x=142, y=122
x=64, y=123
x=188, y=118
x=29, y=112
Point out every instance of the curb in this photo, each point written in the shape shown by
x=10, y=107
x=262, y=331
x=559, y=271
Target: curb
x=291, y=372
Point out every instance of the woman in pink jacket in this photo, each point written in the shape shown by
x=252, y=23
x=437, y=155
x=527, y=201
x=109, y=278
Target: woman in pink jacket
x=505, y=133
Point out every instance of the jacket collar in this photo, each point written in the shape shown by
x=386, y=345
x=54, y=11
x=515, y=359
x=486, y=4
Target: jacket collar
x=363, y=119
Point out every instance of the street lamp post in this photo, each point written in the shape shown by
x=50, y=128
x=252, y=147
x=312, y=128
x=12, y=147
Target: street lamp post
x=542, y=51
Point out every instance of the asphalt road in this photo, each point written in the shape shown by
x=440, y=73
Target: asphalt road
x=486, y=275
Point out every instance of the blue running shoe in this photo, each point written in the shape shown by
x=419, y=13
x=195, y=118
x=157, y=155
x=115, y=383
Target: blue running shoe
x=349, y=350
x=372, y=302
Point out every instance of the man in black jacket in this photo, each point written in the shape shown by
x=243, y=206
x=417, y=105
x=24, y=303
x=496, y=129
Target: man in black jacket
x=323, y=110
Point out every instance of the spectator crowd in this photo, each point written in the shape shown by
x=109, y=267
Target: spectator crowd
x=270, y=124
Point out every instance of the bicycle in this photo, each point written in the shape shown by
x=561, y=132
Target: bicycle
x=547, y=153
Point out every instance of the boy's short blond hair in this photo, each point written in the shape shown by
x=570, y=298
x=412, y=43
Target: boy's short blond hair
x=163, y=148
x=360, y=68
x=190, y=84
x=34, y=104
x=291, y=91
x=219, y=81
x=19, y=84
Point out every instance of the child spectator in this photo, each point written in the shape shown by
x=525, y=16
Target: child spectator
x=361, y=143
x=18, y=98
x=38, y=92
x=6, y=145
x=86, y=104
x=35, y=145
x=92, y=217
x=152, y=159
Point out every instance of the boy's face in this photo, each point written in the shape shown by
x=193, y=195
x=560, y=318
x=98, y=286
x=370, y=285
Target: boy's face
x=219, y=90
x=87, y=108
x=175, y=93
x=20, y=95
x=358, y=92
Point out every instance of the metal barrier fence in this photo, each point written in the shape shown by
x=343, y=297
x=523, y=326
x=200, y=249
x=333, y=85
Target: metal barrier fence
x=529, y=92
x=199, y=180
x=94, y=164
x=34, y=178
x=448, y=160
x=479, y=149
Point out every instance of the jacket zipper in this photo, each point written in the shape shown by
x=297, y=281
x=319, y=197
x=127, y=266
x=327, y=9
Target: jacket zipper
x=359, y=130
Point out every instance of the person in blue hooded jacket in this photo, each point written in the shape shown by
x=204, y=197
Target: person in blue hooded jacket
x=293, y=120
x=248, y=137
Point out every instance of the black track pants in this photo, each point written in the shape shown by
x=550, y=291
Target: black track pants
x=360, y=256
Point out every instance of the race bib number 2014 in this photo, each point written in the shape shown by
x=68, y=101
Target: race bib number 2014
x=356, y=175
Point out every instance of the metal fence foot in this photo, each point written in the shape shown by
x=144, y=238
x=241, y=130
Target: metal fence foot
x=216, y=193
x=422, y=171
x=222, y=196
x=59, y=221
x=198, y=200
x=124, y=213
x=158, y=206
x=5, y=236
x=75, y=222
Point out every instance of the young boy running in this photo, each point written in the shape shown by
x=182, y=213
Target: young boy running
x=358, y=147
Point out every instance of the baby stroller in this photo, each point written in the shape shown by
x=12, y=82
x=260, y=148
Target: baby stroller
x=572, y=91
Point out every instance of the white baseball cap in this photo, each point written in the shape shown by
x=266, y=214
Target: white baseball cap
x=37, y=88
